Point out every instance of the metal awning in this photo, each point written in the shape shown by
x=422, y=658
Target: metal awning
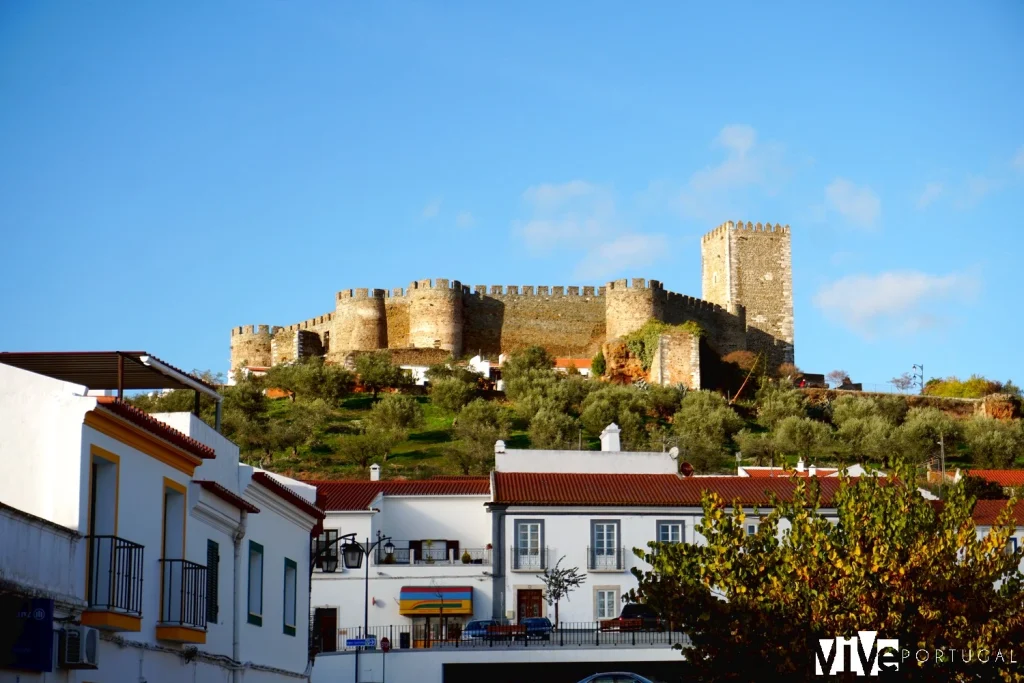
x=112, y=370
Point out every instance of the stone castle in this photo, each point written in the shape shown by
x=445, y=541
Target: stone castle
x=746, y=304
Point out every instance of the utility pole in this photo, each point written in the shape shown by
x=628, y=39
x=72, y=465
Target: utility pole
x=920, y=376
x=942, y=460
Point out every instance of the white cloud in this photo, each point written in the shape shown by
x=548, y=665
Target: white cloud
x=565, y=214
x=976, y=188
x=748, y=163
x=621, y=253
x=464, y=219
x=432, y=209
x=858, y=204
x=901, y=302
x=1018, y=159
x=931, y=192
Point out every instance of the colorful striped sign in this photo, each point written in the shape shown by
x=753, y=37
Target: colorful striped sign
x=435, y=600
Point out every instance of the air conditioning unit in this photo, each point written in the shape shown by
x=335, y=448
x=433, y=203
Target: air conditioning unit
x=79, y=647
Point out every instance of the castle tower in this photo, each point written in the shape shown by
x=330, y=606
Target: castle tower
x=251, y=346
x=359, y=322
x=628, y=308
x=435, y=315
x=750, y=265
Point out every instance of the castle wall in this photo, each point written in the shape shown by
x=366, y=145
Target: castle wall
x=678, y=360
x=251, y=346
x=567, y=321
x=360, y=321
x=725, y=331
x=289, y=344
x=629, y=307
x=396, y=308
x=435, y=315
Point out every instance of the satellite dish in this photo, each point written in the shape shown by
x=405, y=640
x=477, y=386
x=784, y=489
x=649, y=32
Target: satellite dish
x=686, y=469
x=673, y=452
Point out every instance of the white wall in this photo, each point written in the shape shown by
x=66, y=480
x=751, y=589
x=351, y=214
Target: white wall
x=461, y=518
x=41, y=557
x=593, y=462
x=41, y=449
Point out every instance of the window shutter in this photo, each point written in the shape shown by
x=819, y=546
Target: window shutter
x=212, y=580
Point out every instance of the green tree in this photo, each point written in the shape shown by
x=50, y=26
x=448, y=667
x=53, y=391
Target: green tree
x=477, y=427
x=376, y=372
x=849, y=407
x=757, y=604
x=440, y=371
x=559, y=582
x=625, y=406
x=866, y=438
x=521, y=362
x=395, y=412
x=666, y=400
x=246, y=421
x=776, y=400
x=919, y=436
x=982, y=489
x=369, y=447
x=598, y=365
x=994, y=443
x=760, y=446
x=452, y=393
x=803, y=436
x=975, y=386
x=705, y=425
x=553, y=430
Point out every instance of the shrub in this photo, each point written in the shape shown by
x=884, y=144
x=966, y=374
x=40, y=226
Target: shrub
x=452, y=393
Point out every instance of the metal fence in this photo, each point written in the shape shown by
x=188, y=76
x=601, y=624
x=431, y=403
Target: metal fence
x=184, y=593
x=567, y=634
x=115, y=574
x=528, y=559
x=433, y=555
x=606, y=559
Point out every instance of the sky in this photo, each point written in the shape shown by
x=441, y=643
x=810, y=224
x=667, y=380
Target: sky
x=171, y=170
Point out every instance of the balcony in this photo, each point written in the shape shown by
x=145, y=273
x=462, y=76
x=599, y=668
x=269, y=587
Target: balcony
x=114, y=590
x=182, y=602
x=606, y=559
x=529, y=559
x=421, y=553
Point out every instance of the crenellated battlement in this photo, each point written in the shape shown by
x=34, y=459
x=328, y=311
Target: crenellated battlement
x=311, y=323
x=676, y=299
x=542, y=291
x=438, y=283
x=361, y=293
x=636, y=283
x=747, y=227
x=254, y=329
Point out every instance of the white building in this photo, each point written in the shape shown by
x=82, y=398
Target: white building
x=590, y=510
x=164, y=557
x=437, y=575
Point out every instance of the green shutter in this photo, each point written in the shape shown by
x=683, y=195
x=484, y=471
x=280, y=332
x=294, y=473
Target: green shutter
x=212, y=580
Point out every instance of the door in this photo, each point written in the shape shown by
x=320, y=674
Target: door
x=528, y=546
x=529, y=602
x=325, y=625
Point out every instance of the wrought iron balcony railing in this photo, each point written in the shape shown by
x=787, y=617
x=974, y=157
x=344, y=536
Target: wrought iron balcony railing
x=606, y=559
x=115, y=574
x=183, y=601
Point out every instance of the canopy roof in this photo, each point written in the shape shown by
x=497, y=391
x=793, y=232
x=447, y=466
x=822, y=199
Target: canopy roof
x=104, y=370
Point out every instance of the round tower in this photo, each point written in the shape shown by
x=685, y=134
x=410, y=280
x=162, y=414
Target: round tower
x=435, y=315
x=360, y=322
x=251, y=346
x=628, y=308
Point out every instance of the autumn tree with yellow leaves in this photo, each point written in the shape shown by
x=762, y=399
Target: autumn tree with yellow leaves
x=754, y=606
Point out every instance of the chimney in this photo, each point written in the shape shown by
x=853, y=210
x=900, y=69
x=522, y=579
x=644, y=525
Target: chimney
x=499, y=446
x=374, y=472
x=610, y=439
x=813, y=471
x=800, y=465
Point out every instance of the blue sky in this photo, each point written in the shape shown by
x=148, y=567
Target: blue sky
x=171, y=170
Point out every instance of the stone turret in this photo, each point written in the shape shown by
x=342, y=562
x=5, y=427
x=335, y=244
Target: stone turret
x=251, y=346
x=359, y=322
x=435, y=315
x=628, y=308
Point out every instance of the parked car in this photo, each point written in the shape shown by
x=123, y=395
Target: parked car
x=477, y=628
x=616, y=677
x=635, y=616
x=537, y=628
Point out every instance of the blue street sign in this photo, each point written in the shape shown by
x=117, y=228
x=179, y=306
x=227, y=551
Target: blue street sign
x=362, y=642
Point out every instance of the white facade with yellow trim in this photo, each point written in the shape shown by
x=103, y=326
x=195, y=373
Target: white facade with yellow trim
x=130, y=542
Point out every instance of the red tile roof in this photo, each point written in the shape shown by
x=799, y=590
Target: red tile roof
x=358, y=494
x=986, y=511
x=529, y=488
x=226, y=495
x=580, y=363
x=1000, y=477
x=154, y=426
x=768, y=474
x=282, y=491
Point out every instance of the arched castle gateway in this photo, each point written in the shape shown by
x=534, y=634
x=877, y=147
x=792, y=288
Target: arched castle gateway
x=747, y=303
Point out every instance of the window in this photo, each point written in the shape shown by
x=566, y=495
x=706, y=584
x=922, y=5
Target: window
x=606, y=603
x=670, y=532
x=291, y=577
x=529, y=545
x=605, y=545
x=255, y=583
x=1011, y=545
x=751, y=528
x=325, y=550
x=212, y=580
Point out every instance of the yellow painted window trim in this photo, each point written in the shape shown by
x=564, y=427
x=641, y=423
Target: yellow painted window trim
x=103, y=454
x=143, y=441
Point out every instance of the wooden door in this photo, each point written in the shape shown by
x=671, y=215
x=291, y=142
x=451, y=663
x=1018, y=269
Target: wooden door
x=529, y=602
x=325, y=625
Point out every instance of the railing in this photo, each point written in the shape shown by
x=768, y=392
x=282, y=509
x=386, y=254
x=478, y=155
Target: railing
x=528, y=559
x=115, y=574
x=606, y=559
x=183, y=601
x=587, y=634
x=437, y=554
